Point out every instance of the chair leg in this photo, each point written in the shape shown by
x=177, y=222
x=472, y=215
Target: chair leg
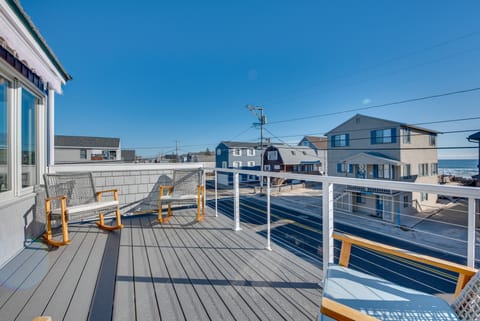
x=160, y=210
x=101, y=223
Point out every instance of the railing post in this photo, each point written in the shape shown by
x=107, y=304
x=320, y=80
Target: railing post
x=268, y=214
x=236, y=201
x=471, y=233
x=216, y=194
x=327, y=221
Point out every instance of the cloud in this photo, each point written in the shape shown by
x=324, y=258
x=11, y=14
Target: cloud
x=366, y=101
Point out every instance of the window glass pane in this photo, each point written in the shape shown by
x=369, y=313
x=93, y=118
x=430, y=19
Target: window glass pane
x=4, y=177
x=29, y=139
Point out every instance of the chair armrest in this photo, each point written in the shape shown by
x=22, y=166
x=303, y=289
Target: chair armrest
x=465, y=272
x=107, y=191
x=341, y=312
x=114, y=191
x=58, y=197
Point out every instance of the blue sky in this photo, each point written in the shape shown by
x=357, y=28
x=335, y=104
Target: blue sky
x=157, y=72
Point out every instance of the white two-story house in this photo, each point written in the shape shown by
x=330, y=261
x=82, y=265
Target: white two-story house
x=373, y=148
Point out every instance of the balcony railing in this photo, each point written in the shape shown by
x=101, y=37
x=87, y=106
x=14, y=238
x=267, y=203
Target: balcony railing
x=306, y=220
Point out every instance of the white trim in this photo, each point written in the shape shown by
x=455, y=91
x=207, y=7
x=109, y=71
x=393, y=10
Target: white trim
x=458, y=191
x=119, y=167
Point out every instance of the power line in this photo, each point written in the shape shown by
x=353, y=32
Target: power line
x=394, y=103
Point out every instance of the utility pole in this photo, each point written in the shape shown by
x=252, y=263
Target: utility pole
x=262, y=121
x=176, y=151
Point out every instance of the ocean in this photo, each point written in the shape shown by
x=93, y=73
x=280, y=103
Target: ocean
x=458, y=167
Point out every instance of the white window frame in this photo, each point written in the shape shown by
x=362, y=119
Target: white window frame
x=272, y=155
x=237, y=164
x=219, y=151
x=14, y=95
x=224, y=164
x=250, y=152
x=237, y=152
x=406, y=135
x=251, y=163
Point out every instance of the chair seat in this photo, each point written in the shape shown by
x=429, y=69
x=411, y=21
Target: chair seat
x=90, y=207
x=382, y=299
x=178, y=198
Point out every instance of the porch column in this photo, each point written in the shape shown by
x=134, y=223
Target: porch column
x=51, y=128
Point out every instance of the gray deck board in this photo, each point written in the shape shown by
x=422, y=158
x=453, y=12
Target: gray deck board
x=124, y=302
x=180, y=270
x=145, y=296
x=82, y=296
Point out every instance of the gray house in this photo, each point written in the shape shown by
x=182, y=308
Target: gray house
x=320, y=146
x=242, y=155
x=77, y=149
x=30, y=77
x=374, y=148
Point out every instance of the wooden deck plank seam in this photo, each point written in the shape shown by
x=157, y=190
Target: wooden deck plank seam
x=258, y=271
x=261, y=292
x=202, y=272
x=170, y=278
x=185, y=271
x=66, y=270
x=285, y=253
x=27, y=277
x=232, y=285
x=262, y=262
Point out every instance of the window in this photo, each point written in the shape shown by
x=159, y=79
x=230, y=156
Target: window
x=340, y=140
x=272, y=155
x=267, y=167
x=407, y=170
x=237, y=152
x=4, y=147
x=383, y=136
x=83, y=154
x=305, y=143
x=219, y=151
x=406, y=135
x=341, y=167
x=423, y=169
x=432, y=139
x=224, y=164
x=406, y=201
x=251, y=163
x=250, y=152
x=237, y=164
x=29, y=139
x=293, y=152
x=423, y=196
x=434, y=167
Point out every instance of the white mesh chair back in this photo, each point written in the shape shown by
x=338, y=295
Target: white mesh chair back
x=186, y=182
x=467, y=304
x=78, y=187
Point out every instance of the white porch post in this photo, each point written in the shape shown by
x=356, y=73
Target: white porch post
x=236, y=201
x=327, y=221
x=471, y=233
x=216, y=194
x=51, y=128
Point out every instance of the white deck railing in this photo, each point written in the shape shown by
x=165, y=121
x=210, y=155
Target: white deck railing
x=329, y=182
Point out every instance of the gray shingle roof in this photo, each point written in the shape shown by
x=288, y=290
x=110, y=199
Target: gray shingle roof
x=86, y=141
x=230, y=144
x=292, y=155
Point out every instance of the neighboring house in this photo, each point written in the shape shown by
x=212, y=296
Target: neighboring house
x=128, y=155
x=78, y=149
x=320, y=146
x=373, y=148
x=242, y=155
x=294, y=159
x=199, y=157
x=30, y=76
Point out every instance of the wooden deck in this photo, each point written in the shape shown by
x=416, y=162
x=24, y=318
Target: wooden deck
x=181, y=270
